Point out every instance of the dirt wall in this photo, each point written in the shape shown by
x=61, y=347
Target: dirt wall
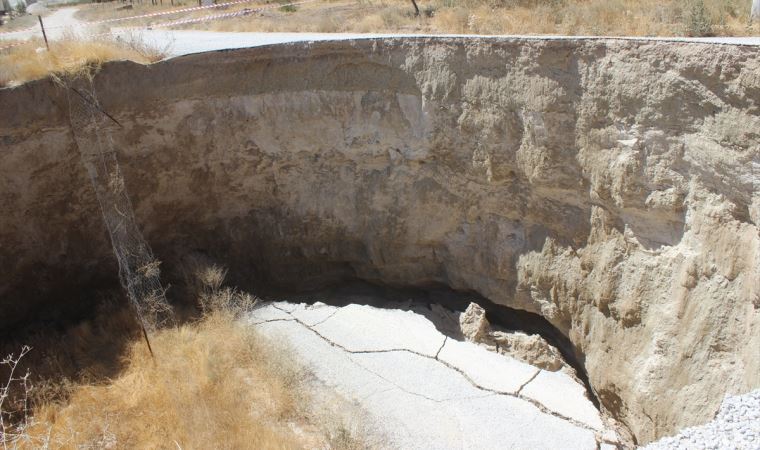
x=610, y=186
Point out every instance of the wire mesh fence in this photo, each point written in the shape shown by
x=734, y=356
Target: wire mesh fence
x=139, y=271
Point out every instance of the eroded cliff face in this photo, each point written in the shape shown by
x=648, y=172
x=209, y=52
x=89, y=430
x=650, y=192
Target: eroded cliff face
x=611, y=186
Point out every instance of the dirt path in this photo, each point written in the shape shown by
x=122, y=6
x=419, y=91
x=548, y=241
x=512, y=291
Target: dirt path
x=57, y=24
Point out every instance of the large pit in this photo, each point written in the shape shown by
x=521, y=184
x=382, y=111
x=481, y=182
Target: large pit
x=610, y=187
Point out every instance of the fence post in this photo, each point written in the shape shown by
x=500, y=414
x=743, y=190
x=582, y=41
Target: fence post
x=416, y=9
x=43, y=33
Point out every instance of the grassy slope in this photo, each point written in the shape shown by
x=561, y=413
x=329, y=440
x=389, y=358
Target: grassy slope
x=566, y=17
x=31, y=61
x=214, y=383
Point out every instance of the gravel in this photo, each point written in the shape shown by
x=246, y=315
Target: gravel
x=736, y=426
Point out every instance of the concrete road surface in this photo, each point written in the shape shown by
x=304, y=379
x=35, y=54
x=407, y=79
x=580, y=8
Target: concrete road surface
x=62, y=22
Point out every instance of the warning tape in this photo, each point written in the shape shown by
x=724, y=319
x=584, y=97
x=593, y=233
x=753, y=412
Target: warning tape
x=14, y=45
x=191, y=20
x=205, y=18
x=165, y=13
x=226, y=15
x=25, y=30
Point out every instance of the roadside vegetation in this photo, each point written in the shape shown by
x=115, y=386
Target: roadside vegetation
x=20, y=22
x=696, y=18
x=559, y=17
x=213, y=383
x=68, y=56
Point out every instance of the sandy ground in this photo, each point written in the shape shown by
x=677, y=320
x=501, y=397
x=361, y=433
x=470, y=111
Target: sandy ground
x=57, y=24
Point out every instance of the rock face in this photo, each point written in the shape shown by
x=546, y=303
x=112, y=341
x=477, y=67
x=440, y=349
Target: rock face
x=610, y=186
x=474, y=324
x=529, y=348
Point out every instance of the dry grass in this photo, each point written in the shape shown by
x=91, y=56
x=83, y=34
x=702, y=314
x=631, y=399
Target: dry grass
x=532, y=17
x=69, y=56
x=610, y=17
x=111, y=10
x=214, y=383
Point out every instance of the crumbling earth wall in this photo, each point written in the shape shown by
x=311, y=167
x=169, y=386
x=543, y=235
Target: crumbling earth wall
x=611, y=186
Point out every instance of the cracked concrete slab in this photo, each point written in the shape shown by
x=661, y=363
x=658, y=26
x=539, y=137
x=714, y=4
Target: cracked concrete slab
x=422, y=377
x=487, y=369
x=268, y=313
x=312, y=315
x=287, y=306
x=492, y=421
x=364, y=328
x=560, y=393
x=384, y=361
x=333, y=367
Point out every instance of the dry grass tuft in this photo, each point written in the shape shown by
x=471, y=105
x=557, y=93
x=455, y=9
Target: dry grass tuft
x=213, y=384
x=70, y=57
x=532, y=17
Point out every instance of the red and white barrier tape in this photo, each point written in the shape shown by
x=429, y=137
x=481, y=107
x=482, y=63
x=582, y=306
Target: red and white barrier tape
x=193, y=20
x=25, y=30
x=164, y=13
x=203, y=19
x=227, y=15
x=157, y=14
x=14, y=45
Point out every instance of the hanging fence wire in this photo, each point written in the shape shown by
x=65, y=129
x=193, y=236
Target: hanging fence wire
x=139, y=271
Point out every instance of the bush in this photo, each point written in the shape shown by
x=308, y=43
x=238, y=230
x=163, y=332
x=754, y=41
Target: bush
x=698, y=21
x=21, y=8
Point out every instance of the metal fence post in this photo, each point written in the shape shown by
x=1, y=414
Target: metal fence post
x=44, y=35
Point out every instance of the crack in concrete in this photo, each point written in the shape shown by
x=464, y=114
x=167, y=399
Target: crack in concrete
x=517, y=394
x=381, y=391
x=293, y=307
x=325, y=319
x=401, y=388
x=271, y=320
x=445, y=338
x=519, y=391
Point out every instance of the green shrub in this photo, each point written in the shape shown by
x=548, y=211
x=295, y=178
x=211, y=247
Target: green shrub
x=698, y=21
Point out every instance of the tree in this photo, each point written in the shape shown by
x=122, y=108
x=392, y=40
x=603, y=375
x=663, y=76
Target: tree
x=755, y=13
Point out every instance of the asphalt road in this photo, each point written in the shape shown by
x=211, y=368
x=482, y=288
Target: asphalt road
x=183, y=42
